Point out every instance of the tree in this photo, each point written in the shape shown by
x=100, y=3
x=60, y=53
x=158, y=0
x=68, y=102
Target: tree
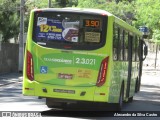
x=66, y=3
x=136, y=12
x=125, y=10
x=156, y=35
x=9, y=19
x=147, y=13
x=87, y=3
x=62, y=3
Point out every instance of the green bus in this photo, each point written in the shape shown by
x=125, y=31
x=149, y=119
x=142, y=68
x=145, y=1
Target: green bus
x=82, y=56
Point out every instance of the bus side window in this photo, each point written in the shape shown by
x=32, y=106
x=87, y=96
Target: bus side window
x=126, y=46
x=121, y=44
x=137, y=48
x=115, y=42
x=134, y=49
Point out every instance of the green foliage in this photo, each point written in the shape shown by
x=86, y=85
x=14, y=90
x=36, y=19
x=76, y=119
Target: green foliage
x=64, y=3
x=87, y=3
x=9, y=19
x=148, y=13
x=156, y=35
x=10, y=14
x=135, y=12
x=125, y=10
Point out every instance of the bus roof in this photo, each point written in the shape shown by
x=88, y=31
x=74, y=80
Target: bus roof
x=85, y=10
x=126, y=26
x=98, y=11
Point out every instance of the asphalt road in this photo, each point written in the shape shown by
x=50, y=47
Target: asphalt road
x=147, y=100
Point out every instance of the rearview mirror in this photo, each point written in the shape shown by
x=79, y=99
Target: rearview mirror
x=145, y=50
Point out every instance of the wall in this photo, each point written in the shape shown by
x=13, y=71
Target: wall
x=9, y=58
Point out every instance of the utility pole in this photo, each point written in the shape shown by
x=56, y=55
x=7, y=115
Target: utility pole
x=49, y=3
x=21, y=44
x=156, y=56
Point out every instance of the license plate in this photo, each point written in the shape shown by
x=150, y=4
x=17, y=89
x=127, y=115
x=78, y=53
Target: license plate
x=64, y=91
x=65, y=76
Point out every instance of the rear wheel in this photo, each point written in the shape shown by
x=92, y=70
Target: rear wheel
x=120, y=103
x=137, y=86
x=130, y=99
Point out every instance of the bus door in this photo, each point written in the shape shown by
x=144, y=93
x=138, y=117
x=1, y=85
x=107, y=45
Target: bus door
x=130, y=41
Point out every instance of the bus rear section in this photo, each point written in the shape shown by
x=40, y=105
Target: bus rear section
x=65, y=57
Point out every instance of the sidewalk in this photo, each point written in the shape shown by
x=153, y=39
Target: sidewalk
x=10, y=78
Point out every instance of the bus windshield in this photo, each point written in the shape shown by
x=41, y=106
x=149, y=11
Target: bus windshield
x=77, y=31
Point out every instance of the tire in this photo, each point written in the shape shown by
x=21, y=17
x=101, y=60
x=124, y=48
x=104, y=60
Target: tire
x=137, y=86
x=130, y=99
x=120, y=103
